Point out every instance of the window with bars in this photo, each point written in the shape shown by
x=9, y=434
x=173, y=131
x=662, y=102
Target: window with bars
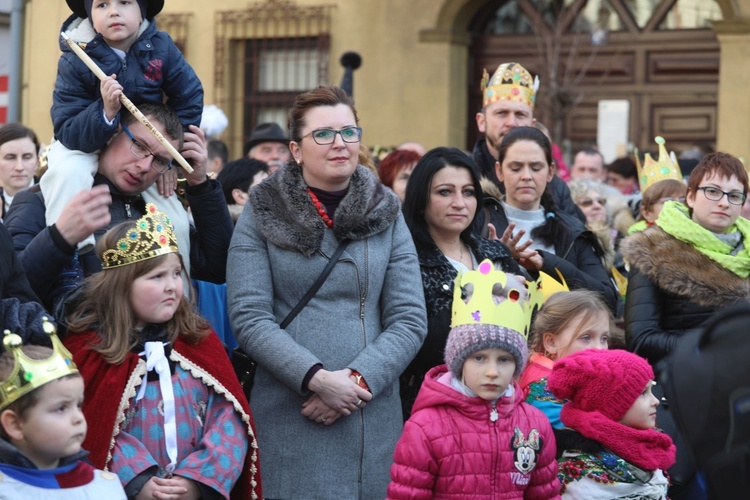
x=278, y=69
x=265, y=55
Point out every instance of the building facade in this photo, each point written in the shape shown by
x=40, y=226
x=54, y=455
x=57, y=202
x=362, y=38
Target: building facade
x=681, y=64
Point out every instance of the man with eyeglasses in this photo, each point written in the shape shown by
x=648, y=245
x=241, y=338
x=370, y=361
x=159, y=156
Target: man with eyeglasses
x=130, y=163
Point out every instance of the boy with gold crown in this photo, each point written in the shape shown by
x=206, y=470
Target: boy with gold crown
x=42, y=426
x=660, y=181
x=470, y=433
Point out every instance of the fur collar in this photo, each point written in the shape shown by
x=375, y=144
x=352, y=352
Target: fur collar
x=603, y=235
x=678, y=268
x=490, y=189
x=286, y=217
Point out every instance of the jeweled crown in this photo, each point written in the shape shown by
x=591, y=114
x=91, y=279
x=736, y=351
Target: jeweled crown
x=153, y=235
x=652, y=171
x=29, y=374
x=485, y=305
x=510, y=82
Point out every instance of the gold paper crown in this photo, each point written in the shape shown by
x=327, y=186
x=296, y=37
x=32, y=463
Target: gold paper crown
x=514, y=312
x=511, y=82
x=29, y=374
x=153, y=235
x=541, y=289
x=654, y=171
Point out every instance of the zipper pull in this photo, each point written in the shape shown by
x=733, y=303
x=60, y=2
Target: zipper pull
x=127, y=210
x=493, y=413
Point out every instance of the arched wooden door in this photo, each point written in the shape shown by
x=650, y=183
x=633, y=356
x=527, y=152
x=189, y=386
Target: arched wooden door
x=660, y=55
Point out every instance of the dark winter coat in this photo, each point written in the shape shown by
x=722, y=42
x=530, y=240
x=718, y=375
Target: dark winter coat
x=368, y=316
x=438, y=276
x=153, y=67
x=13, y=281
x=673, y=289
x=53, y=266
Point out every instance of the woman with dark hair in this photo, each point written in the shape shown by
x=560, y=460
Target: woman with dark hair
x=236, y=179
x=325, y=394
x=440, y=207
x=539, y=235
x=396, y=168
x=19, y=149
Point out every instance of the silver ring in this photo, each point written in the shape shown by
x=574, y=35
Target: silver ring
x=359, y=403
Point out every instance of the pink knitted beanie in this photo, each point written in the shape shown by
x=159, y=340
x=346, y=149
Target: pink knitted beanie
x=599, y=380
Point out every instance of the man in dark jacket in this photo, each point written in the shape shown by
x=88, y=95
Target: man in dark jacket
x=48, y=253
x=508, y=102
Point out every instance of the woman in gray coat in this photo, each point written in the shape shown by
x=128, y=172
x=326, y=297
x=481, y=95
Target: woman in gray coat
x=326, y=398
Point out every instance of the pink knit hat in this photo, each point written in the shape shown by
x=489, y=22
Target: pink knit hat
x=600, y=387
x=599, y=380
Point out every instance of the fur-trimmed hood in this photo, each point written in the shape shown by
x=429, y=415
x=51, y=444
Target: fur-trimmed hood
x=80, y=30
x=287, y=218
x=603, y=235
x=490, y=189
x=679, y=268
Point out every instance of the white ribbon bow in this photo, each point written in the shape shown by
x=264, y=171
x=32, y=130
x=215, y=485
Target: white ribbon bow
x=157, y=360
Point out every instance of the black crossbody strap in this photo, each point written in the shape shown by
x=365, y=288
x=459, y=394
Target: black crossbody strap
x=316, y=286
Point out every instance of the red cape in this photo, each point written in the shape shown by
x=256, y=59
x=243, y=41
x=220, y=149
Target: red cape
x=105, y=387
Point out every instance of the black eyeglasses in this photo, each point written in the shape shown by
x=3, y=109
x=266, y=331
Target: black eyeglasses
x=716, y=194
x=324, y=136
x=159, y=164
x=587, y=202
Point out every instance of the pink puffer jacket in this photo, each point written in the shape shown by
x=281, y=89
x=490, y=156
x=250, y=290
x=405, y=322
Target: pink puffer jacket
x=451, y=448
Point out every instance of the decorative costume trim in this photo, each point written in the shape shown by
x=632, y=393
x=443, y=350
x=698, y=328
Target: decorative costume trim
x=209, y=381
x=130, y=391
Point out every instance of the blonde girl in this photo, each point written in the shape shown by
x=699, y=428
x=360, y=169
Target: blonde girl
x=568, y=322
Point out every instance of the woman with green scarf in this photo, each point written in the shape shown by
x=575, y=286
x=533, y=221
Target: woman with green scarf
x=694, y=261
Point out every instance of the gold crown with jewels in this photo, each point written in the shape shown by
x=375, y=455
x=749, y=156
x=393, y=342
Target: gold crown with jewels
x=152, y=236
x=29, y=374
x=510, y=82
x=653, y=171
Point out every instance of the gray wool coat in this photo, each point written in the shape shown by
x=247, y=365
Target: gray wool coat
x=369, y=316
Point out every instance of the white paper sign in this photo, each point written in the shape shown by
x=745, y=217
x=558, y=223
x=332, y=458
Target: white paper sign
x=612, y=128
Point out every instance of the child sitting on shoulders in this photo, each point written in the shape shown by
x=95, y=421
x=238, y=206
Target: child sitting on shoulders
x=612, y=449
x=470, y=433
x=42, y=426
x=141, y=62
x=568, y=322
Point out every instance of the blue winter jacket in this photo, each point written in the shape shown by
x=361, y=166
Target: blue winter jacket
x=153, y=65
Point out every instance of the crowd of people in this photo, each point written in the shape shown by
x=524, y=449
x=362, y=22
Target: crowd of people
x=442, y=323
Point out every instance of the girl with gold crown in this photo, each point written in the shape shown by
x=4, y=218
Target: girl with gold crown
x=166, y=411
x=470, y=433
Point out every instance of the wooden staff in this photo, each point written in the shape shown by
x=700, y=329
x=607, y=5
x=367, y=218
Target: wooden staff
x=129, y=105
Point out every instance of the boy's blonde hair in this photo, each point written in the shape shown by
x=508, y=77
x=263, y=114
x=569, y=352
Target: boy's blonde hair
x=25, y=403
